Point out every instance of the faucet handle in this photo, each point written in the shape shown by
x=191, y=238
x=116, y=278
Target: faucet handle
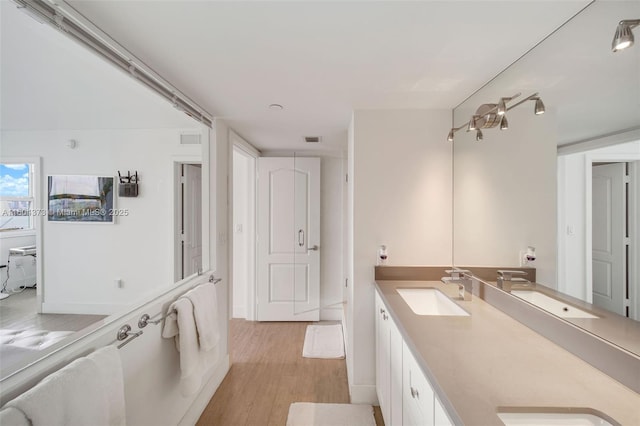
x=457, y=273
x=508, y=275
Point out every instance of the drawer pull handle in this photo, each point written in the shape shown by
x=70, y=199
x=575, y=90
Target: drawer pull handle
x=414, y=393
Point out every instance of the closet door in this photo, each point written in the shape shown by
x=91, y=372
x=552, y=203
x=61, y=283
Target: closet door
x=288, y=239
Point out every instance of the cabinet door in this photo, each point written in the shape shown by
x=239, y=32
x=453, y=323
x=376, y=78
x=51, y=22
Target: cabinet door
x=383, y=363
x=440, y=415
x=395, y=395
x=417, y=395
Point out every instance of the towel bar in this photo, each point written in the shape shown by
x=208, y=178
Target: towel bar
x=124, y=333
x=145, y=319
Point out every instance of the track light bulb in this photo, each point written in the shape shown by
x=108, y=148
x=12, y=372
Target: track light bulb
x=450, y=136
x=502, y=107
x=539, y=108
x=504, y=123
x=478, y=135
x=473, y=123
x=623, y=37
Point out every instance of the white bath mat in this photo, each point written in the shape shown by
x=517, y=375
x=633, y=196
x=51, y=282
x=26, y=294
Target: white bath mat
x=323, y=341
x=310, y=414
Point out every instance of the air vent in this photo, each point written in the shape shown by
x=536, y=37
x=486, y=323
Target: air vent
x=189, y=139
x=312, y=139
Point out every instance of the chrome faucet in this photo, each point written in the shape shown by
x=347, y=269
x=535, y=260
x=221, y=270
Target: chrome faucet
x=507, y=278
x=463, y=278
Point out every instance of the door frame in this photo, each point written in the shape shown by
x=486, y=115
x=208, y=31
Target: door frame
x=238, y=144
x=176, y=162
x=634, y=223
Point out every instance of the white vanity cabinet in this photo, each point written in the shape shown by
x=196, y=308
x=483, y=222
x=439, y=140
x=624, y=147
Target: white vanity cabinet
x=404, y=393
x=417, y=395
x=388, y=365
x=440, y=415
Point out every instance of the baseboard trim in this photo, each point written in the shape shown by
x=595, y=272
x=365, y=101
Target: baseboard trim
x=363, y=394
x=240, y=311
x=331, y=314
x=82, y=308
x=202, y=400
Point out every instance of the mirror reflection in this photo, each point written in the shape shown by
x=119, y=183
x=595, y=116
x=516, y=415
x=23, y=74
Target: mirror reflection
x=96, y=173
x=564, y=182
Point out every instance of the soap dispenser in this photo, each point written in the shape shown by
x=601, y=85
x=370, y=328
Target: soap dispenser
x=382, y=257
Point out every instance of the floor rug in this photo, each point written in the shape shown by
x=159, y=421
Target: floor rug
x=323, y=341
x=311, y=414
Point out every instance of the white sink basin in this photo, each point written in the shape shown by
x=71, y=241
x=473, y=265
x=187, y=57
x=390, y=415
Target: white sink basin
x=430, y=301
x=559, y=419
x=551, y=305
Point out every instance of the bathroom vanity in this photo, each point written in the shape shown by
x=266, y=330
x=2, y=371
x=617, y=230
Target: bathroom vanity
x=483, y=368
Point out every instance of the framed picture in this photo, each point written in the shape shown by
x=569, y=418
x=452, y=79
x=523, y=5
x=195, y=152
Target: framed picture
x=80, y=199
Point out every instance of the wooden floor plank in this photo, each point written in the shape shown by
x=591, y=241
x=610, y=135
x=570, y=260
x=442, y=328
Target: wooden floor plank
x=268, y=374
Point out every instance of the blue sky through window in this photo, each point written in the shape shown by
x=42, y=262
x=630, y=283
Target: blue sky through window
x=14, y=180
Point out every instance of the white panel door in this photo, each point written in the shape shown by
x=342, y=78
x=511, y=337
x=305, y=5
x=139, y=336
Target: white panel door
x=288, y=239
x=192, y=217
x=608, y=240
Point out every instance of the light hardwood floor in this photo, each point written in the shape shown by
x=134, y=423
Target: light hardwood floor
x=268, y=373
x=19, y=312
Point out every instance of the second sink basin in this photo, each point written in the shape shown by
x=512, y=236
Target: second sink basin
x=430, y=301
x=551, y=305
x=554, y=419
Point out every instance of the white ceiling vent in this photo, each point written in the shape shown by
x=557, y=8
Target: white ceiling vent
x=312, y=139
x=190, y=139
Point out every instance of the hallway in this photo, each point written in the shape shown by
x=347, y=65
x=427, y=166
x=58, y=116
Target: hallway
x=268, y=373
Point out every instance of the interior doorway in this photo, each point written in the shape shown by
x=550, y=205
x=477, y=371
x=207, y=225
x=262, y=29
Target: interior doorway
x=188, y=219
x=244, y=233
x=610, y=236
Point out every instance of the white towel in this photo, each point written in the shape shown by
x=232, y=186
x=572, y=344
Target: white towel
x=181, y=325
x=205, y=312
x=72, y=396
x=110, y=368
x=11, y=416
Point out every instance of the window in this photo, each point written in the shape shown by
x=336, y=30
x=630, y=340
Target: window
x=16, y=196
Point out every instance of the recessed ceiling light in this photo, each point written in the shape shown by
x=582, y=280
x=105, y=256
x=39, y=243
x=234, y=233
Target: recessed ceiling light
x=276, y=107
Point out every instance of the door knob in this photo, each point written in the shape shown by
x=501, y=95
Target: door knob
x=314, y=248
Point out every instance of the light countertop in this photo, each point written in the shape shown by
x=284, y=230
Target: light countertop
x=489, y=360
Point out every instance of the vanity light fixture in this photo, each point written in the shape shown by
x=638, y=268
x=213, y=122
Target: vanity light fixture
x=488, y=116
x=623, y=37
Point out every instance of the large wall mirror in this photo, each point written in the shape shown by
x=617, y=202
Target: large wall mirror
x=565, y=181
x=70, y=123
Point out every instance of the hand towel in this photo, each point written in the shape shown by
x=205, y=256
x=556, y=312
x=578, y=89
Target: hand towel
x=181, y=325
x=205, y=312
x=110, y=369
x=11, y=416
x=72, y=396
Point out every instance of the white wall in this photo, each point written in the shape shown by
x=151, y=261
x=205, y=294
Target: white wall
x=241, y=243
x=573, y=275
x=505, y=194
x=81, y=261
x=399, y=195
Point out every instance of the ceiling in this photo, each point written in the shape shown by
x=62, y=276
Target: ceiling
x=323, y=59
